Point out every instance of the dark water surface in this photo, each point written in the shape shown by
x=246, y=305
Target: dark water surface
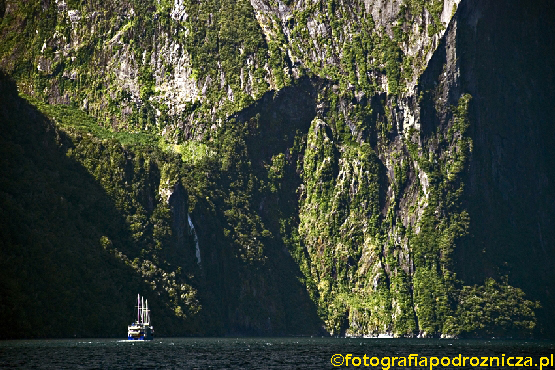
x=258, y=353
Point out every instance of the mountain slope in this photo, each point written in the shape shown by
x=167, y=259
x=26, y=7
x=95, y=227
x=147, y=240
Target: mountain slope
x=288, y=167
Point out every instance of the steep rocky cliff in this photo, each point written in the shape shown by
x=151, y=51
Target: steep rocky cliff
x=293, y=167
x=510, y=196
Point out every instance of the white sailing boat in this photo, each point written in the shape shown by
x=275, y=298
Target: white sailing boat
x=141, y=329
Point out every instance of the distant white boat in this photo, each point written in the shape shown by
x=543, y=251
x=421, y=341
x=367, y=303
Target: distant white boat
x=141, y=329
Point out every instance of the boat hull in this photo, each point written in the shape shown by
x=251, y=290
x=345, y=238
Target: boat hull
x=140, y=332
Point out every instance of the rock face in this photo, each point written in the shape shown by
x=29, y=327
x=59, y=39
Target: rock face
x=510, y=192
x=389, y=161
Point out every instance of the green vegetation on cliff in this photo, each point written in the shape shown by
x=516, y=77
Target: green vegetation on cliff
x=263, y=167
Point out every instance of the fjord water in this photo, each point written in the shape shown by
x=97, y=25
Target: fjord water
x=247, y=353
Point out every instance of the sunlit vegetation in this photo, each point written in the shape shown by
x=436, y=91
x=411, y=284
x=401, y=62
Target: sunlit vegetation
x=494, y=309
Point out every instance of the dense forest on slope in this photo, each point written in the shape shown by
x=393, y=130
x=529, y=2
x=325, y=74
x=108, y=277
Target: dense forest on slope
x=278, y=167
x=89, y=219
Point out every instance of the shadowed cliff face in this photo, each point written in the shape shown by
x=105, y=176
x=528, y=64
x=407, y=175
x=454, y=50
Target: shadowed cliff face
x=59, y=274
x=500, y=55
x=281, y=114
x=506, y=65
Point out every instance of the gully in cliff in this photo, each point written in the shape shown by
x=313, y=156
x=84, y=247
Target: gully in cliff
x=141, y=329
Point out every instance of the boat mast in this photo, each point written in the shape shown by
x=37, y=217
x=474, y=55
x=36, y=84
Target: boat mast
x=142, y=310
x=147, y=313
x=138, y=308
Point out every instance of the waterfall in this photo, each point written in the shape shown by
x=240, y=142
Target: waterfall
x=192, y=230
